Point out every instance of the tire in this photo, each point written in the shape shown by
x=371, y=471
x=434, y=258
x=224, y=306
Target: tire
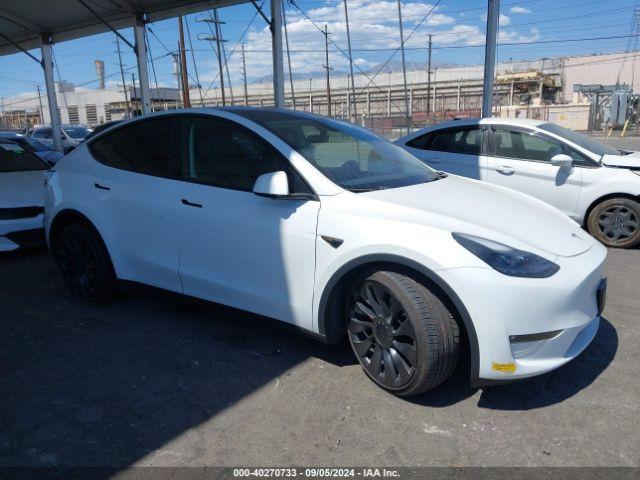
x=394, y=321
x=84, y=263
x=616, y=222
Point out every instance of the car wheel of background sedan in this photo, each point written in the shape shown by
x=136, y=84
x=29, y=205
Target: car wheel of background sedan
x=616, y=222
x=403, y=335
x=84, y=263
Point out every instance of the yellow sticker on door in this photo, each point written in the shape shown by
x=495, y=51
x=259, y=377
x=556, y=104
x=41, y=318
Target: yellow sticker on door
x=504, y=367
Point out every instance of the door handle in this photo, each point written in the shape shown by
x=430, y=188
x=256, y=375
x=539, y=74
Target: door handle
x=101, y=187
x=190, y=204
x=505, y=170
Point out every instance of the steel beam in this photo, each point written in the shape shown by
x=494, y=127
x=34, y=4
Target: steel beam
x=276, y=48
x=493, y=16
x=47, y=65
x=141, y=58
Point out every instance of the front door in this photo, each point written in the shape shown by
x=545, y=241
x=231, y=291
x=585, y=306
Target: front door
x=521, y=160
x=238, y=248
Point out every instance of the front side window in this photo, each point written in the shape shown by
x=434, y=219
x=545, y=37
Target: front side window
x=523, y=145
x=467, y=141
x=142, y=147
x=42, y=133
x=580, y=139
x=15, y=158
x=226, y=155
x=350, y=156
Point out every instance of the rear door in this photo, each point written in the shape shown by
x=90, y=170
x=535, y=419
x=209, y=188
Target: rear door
x=520, y=159
x=457, y=150
x=131, y=191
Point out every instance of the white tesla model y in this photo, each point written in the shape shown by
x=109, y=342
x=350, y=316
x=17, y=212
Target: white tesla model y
x=326, y=226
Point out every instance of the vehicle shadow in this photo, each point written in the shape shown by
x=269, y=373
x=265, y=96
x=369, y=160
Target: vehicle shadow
x=536, y=392
x=108, y=385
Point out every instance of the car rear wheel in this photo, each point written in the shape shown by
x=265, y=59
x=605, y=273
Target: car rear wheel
x=616, y=222
x=405, y=338
x=84, y=263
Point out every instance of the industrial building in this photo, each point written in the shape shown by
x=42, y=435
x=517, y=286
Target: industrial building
x=542, y=89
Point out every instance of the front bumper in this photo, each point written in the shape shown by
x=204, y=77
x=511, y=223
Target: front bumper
x=559, y=314
x=21, y=233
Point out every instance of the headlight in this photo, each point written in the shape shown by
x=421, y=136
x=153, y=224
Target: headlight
x=507, y=260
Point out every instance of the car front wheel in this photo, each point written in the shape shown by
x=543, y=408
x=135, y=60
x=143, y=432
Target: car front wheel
x=405, y=338
x=616, y=222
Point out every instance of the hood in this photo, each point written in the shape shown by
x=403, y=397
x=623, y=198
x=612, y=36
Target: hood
x=631, y=161
x=493, y=212
x=22, y=189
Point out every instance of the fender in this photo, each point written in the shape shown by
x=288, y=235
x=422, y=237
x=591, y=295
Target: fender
x=333, y=333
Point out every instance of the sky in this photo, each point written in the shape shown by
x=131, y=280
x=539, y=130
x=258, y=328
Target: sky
x=529, y=29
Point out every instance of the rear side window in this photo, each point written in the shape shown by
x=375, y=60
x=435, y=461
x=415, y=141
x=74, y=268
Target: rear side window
x=142, y=147
x=467, y=141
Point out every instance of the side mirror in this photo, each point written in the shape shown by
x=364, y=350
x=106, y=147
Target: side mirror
x=273, y=185
x=561, y=160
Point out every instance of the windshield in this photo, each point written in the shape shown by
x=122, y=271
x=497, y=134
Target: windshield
x=350, y=156
x=14, y=158
x=585, y=142
x=77, y=133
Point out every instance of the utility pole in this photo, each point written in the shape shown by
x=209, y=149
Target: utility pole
x=493, y=15
x=215, y=37
x=327, y=68
x=352, y=110
x=429, y=79
x=244, y=77
x=193, y=58
x=286, y=39
x=221, y=49
x=124, y=85
x=135, y=94
x=404, y=68
x=186, y=100
x=40, y=102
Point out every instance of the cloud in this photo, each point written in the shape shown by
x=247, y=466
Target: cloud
x=519, y=10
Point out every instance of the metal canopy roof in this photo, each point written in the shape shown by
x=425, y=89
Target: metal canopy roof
x=24, y=21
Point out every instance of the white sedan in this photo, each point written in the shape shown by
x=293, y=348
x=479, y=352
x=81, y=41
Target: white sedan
x=21, y=197
x=596, y=185
x=330, y=228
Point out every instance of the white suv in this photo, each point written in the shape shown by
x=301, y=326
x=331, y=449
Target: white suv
x=321, y=224
x=596, y=185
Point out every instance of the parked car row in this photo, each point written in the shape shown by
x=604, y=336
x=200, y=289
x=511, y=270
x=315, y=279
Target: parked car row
x=325, y=226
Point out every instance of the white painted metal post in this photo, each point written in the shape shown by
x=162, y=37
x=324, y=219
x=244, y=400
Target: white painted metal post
x=493, y=16
x=50, y=86
x=276, y=49
x=141, y=58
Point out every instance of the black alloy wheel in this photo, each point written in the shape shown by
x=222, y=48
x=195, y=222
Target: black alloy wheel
x=402, y=333
x=382, y=335
x=84, y=263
